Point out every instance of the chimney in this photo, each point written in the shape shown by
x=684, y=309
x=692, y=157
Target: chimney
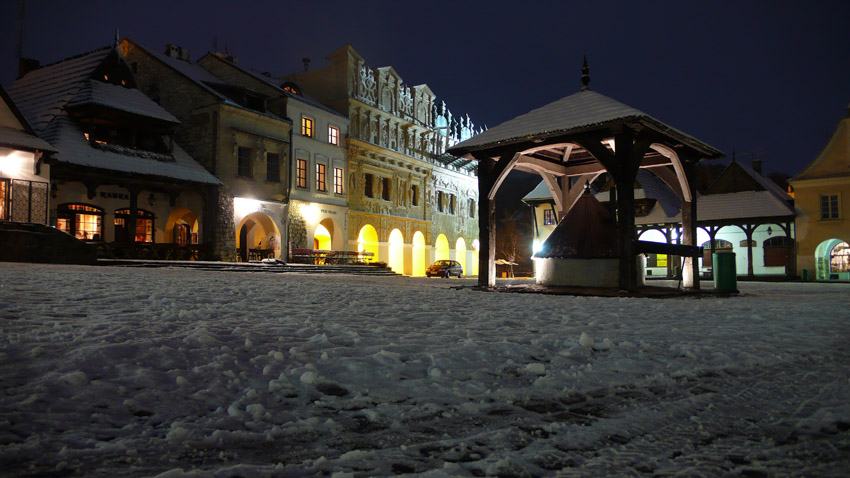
x=306, y=63
x=177, y=52
x=26, y=65
x=757, y=165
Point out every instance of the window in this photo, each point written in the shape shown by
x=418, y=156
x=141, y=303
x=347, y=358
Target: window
x=829, y=206
x=472, y=208
x=338, y=181
x=321, y=178
x=144, y=226
x=273, y=167
x=414, y=195
x=333, y=135
x=440, y=206
x=548, y=217
x=368, y=179
x=80, y=220
x=839, y=258
x=244, y=166
x=451, y=203
x=385, y=189
x=720, y=245
x=4, y=199
x=301, y=174
x=307, y=126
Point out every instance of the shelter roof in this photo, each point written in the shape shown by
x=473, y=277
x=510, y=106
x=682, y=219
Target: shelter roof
x=577, y=113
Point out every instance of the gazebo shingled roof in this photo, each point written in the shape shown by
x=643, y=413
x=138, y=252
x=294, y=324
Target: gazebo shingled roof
x=571, y=142
x=586, y=232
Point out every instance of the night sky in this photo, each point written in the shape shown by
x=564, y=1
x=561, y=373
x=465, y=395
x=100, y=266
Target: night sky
x=769, y=77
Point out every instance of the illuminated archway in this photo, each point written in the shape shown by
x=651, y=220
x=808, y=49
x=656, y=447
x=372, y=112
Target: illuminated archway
x=367, y=241
x=419, y=261
x=257, y=231
x=831, y=259
x=460, y=253
x=322, y=238
x=441, y=248
x=181, y=227
x=396, y=251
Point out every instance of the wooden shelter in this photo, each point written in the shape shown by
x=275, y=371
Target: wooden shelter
x=572, y=141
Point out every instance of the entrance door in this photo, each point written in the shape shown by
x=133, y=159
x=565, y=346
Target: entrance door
x=243, y=243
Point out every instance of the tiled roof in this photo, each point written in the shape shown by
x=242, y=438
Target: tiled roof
x=572, y=113
x=15, y=138
x=117, y=97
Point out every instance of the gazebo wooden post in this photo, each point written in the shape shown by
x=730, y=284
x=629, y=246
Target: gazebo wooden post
x=690, y=268
x=486, y=223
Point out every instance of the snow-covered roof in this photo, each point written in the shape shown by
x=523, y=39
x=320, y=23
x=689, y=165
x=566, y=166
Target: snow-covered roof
x=73, y=148
x=44, y=95
x=573, y=113
x=539, y=193
x=15, y=138
x=129, y=100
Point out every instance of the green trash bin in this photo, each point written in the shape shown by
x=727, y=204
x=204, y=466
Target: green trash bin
x=725, y=274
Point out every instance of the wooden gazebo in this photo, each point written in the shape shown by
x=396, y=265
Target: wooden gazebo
x=570, y=143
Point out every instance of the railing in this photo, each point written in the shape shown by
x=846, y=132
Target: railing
x=314, y=256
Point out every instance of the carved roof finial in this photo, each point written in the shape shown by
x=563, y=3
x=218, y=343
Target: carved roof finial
x=117, y=38
x=585, y=76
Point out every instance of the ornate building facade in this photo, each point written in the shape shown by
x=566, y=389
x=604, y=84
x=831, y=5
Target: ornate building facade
x=409, y=202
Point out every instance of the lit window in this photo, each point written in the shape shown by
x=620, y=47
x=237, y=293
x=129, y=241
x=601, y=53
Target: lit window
x=321, y=177
x=829, y=206
x=272, y=167
x=839, y=258
x=307, y=126
x=338, y=181
x=4, y=199
x=333, y=135
x=144, y=226
x=80, y=220
x=548, y=217
x=244, y=166
x=301, y=174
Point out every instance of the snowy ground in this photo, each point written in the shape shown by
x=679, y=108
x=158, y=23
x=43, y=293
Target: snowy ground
x=112, y=371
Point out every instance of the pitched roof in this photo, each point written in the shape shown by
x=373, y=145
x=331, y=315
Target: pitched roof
x=574, y=113
x=586, y=232
x=539, y=193
x=19, y=134
x=834, y=160
x=44, y=95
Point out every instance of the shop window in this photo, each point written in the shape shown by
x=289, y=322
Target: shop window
x=829, y=206
x=368, y=180
x=273, y=167
x=333, y=135
x=144, y=226
x=548, y=217
x=839, y=258
x=81, y=221
x=720, y=245
x=244, y=166
x=321, y=177
x=777, y=251
x=301, y=174
x=338, y=181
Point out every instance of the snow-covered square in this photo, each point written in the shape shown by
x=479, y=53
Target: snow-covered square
x=111, y=371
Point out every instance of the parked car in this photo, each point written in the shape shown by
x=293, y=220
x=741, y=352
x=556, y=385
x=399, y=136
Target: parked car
x=445, y=268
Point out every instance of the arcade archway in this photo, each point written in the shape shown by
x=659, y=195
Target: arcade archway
x=396, y=251
x=257, y=236
x=460, y=253
x=419, y=260
x=441, y=248
x=367, y=241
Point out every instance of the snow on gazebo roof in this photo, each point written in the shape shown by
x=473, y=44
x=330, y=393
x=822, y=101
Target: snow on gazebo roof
x=575, y=113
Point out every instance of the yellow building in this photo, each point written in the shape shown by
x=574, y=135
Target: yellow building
x=822, y=198
x=409, y=203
